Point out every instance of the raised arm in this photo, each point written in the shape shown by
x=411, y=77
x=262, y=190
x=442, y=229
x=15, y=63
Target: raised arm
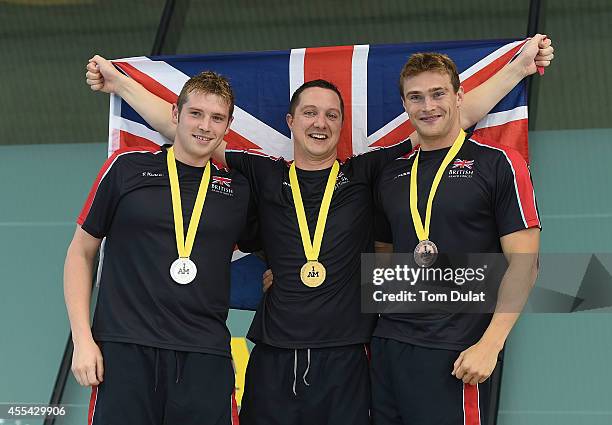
x=103, y=76
x=478, y=102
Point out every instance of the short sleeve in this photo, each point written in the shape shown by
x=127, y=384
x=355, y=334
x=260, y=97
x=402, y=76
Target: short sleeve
x=514, y=200
x=374, y=161
x=382, y=228
x=250, y=238
x=255, y=167
x=97, y=213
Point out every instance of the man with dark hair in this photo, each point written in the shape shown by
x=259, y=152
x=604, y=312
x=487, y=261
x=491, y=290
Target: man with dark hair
x=433, y=368
x=310, y=362
x=159, y=350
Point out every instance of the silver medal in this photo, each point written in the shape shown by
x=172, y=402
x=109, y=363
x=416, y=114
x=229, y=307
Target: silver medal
x=183, y=271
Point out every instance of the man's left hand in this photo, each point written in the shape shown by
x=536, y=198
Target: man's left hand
x=476, y=364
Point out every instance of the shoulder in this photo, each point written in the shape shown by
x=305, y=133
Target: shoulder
x=126, y=158
x=257, y=156
x=492, y=150
x=130, y=155
x=225, y=174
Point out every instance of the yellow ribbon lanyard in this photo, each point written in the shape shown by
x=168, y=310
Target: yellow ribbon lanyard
x=423, y=232
x=184, y=246
x=312, y=249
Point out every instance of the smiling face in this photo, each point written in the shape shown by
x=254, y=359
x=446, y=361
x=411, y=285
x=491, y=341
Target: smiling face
x=316, y=124
x=201, y=122
x=432, y=104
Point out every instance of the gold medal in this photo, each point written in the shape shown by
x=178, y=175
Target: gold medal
x=426, y=251
x=183, y=270
x=312, y=274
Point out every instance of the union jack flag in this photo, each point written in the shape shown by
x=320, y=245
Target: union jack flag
x=223, y=181
x=367, y=76
x=462, y=163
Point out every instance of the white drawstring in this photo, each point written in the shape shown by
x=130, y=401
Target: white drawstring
x=294, y=371
x=307, y=369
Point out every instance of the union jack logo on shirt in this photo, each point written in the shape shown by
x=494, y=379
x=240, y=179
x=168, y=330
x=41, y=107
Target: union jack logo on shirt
x=223, y=181
x=462, y=163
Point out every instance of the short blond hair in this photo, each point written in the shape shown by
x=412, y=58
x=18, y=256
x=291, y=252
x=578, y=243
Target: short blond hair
x=207, y=82
x=423, y=62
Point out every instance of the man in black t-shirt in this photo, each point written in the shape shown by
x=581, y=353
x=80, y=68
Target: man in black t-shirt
x=159, y=350
x=309, y=364
x=433, y=368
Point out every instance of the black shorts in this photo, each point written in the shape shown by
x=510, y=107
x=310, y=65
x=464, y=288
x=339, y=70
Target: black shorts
x=413, y=385
x=153, y=386
x=320, y=386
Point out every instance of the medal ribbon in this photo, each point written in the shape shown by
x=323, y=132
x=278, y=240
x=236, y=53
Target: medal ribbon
x=312, y=249
x=423, y=232
x=184, y=246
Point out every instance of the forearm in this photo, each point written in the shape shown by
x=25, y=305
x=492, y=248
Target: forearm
x=514, y=290
x=383, y=247
x=78, y=276
x=219, y=153
x=479, y=101
x=155, y=110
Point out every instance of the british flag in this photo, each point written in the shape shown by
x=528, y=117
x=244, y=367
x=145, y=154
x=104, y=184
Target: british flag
x=222, y=181
x=367, y=76
x=462, y=163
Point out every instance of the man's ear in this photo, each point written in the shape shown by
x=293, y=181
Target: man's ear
x=460, y=96
x=289, y=119
x=175, y=113
x=231, y=120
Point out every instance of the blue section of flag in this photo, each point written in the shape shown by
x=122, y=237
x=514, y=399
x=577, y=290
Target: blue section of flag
x=246, y=288
x=260, y=81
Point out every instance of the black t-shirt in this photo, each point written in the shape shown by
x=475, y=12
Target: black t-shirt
x=138, y=302
x=484, y=194
x=291, y=314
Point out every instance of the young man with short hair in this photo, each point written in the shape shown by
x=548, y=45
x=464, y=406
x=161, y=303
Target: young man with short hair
x=433, y=368
x=159, y=349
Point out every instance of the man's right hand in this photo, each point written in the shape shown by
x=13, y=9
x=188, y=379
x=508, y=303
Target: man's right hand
x=103, y=76
x=87, y=363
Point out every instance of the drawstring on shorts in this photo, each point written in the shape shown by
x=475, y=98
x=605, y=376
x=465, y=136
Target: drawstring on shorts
x=295, y=367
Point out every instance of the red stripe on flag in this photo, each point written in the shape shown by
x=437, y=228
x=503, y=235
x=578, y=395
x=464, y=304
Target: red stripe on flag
x=335, y=65
x=522, y=179
x=489, y=70
x=470, y=405
x=107, y=165
x=513, y=134
x=238, y=142
x=92, y=405
x=147, y=82
x=396, y=135
x=129, y=140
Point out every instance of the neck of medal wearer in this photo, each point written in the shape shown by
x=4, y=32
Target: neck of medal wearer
x=188, y=158
x=442, y=141
x=307, y=162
